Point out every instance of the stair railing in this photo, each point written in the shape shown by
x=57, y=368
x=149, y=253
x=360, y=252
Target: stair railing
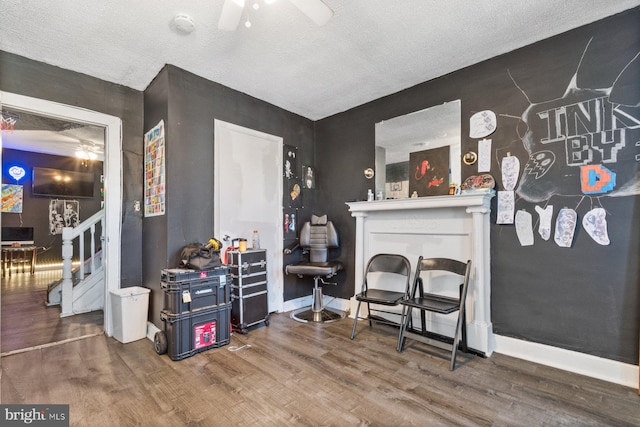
x=69, y=236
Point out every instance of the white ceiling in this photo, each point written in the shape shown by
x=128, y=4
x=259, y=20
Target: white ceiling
x=369, y=49
x=40, y=134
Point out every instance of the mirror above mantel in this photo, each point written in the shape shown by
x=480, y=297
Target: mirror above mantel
x=397, y=138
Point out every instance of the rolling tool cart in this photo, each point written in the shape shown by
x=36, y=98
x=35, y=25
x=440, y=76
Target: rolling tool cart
x=196, y=311
x=249, y=303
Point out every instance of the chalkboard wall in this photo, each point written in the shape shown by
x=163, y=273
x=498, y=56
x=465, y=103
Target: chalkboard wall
x=584, y=297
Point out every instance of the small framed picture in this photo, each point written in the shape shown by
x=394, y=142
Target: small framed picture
x=308, y=177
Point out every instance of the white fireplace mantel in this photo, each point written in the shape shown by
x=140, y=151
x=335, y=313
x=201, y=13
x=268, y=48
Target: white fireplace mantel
x=440, y=226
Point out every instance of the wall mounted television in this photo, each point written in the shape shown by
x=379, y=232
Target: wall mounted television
x=19, y=235
x=62, y=183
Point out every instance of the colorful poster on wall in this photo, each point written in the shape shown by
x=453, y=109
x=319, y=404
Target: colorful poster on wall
x=154, y=172
x=429, y=172
x=12, y=196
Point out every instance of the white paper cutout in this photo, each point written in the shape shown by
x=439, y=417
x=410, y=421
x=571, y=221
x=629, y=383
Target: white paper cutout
x=484, y=155
x=510, y=172
x=544, y=229
x=595, y=224
x=482, y=124
x=506, y=207
x=565, y=227
x=524, y=229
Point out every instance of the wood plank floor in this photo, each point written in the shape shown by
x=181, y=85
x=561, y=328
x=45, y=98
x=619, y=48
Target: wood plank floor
x=26, y=321
x=304, y=374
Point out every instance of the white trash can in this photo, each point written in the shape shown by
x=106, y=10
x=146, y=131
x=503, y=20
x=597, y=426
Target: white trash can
x=129, y=311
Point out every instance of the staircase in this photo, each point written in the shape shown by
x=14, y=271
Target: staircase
x=82, y=288
x=54, y=289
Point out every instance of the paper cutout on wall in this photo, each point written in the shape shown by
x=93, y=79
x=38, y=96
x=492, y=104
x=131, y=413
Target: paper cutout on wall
x=484, y=155
x=478, y=183
x=545, y=215
x=595, y=224
x=524, y=229
x=506, y=207
x=565, y=227
x=596, y=179
x=482, y=124
x=510, y=172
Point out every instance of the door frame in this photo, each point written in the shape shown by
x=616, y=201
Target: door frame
x=112, y=177
x=218, y=125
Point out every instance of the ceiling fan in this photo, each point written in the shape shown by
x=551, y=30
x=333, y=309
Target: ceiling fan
x=231, y=14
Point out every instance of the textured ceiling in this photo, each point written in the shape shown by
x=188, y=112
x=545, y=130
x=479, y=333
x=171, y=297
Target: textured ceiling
x=369, y=49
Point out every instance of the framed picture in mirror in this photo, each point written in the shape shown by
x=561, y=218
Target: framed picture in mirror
x=429, y=172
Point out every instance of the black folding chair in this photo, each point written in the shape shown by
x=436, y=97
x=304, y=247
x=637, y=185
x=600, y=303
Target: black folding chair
x=386, y=266
x=436, y=303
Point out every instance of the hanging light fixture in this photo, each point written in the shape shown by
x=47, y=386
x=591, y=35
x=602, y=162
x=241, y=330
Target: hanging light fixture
x=86, y=151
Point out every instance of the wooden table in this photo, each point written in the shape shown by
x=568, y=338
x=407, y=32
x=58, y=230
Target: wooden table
x=18, y=255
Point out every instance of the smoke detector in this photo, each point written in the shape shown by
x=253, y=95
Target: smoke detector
x=184, y=23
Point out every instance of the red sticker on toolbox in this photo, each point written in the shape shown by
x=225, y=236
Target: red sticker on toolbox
x=204, y=335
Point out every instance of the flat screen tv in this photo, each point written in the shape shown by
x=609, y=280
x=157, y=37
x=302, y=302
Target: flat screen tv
x=19, y=235
x=62, y=183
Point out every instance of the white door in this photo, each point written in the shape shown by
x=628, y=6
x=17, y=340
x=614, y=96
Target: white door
x=248, y=195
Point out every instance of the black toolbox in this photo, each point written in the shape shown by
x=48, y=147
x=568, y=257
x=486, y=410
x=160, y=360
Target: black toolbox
x=197, y=311
x=195, y=332
x=249, y=297
x=191, y=290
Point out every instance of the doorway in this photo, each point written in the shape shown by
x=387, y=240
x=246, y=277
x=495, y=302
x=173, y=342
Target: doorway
x=248, y=195
x=112, y=176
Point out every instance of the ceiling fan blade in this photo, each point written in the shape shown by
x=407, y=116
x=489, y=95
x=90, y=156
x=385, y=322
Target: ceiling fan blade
x=316, y=10
x=230, y=15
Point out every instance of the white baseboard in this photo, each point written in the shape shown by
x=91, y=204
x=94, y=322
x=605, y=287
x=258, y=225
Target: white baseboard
x=572, y=361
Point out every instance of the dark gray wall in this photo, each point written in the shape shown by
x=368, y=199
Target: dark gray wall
x=36, y=79
x=154, y=229
x=583, y=298
x=188, y=104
